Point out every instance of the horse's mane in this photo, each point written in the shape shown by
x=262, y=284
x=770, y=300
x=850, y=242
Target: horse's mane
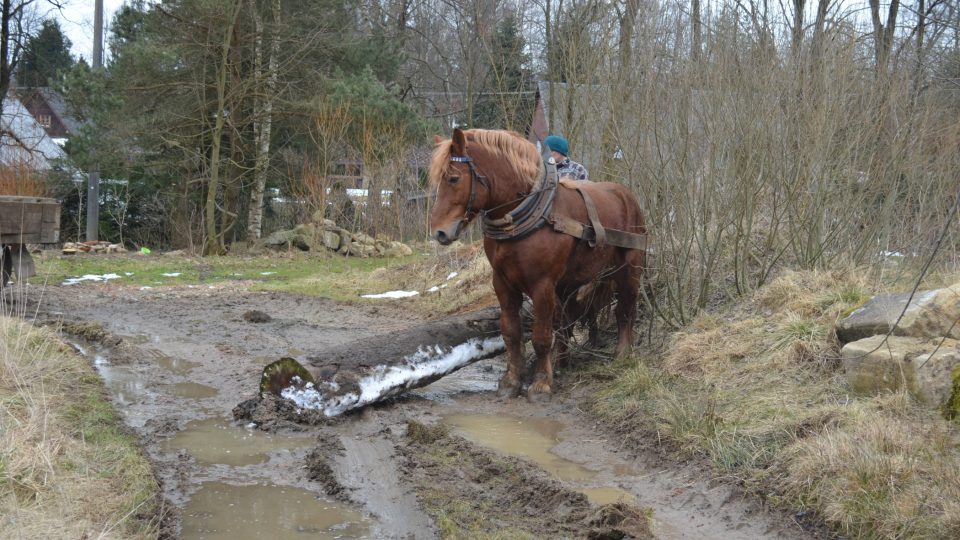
x=504, y=146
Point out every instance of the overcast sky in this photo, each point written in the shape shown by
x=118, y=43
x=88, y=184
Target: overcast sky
x=76, y=20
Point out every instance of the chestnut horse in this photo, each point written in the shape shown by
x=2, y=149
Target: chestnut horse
x=490, y=173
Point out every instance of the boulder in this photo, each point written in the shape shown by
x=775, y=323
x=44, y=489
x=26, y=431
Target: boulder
x=930, y=314
x=287, y=239
x=331, y=239
x=924, y=366
x=363, y=238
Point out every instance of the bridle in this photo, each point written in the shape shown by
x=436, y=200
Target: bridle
x=475, y=178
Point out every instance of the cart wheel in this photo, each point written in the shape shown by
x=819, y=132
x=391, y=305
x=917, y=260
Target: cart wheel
x=6, y=266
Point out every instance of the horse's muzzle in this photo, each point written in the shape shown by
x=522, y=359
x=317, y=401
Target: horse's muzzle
x=449, y=234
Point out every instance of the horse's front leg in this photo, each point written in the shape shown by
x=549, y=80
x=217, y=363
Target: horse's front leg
x=512, y=332
x=544, y=308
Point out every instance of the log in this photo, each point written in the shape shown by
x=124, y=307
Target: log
x=389, y=365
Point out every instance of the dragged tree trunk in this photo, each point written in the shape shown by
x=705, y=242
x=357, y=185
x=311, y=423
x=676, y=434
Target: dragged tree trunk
x=388, y=365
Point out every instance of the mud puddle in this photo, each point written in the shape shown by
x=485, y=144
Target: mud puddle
x=191, y=358
x=223, y=511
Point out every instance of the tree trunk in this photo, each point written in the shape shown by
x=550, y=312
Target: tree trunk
x=213, y=244
x=263, y=120
x=389, y=364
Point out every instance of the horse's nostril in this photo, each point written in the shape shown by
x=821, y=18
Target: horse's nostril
x=442, y=238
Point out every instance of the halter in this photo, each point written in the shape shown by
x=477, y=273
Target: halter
x=475, y=178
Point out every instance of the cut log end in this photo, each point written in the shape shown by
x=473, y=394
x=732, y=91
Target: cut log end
x=280, y=374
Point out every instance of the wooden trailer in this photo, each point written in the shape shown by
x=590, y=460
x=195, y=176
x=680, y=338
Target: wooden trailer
x=25, y=220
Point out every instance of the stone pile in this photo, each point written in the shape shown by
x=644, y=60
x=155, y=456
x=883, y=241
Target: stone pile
x=324, y=234
x=922, y=353
x=72, y=248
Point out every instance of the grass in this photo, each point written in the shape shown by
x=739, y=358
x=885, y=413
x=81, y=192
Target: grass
x=758, y=390
x=68, y=468
x=343, y=279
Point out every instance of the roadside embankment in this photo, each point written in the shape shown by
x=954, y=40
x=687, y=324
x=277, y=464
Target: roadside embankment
x=68, y=467
x=758, y=390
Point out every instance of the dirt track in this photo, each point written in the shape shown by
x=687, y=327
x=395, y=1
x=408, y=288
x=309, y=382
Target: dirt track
x=186, y=357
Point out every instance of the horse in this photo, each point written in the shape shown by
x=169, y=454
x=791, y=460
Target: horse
x=535, y=242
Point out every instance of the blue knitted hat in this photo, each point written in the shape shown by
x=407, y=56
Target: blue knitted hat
x=557, y=144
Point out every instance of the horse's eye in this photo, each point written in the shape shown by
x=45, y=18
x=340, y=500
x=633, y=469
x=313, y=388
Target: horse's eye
x=453, y=179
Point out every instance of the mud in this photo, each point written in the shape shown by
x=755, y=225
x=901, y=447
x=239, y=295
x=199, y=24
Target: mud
x=183, y=366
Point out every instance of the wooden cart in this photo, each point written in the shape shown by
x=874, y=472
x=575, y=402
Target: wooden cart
x=25, y=220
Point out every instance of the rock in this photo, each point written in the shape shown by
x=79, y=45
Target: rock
x=331, y=239
x=256, y=316
x=305, y=229
x=930, y=314
x=362, y=250
x=938, y=376
x=365, y=239
x=927, y=371
x=288, y=238
x=873, y=367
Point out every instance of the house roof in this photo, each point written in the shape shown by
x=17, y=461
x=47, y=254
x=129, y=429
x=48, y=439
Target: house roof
x=23, y=141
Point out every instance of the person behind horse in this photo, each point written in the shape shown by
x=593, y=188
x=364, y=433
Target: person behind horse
x=566, y=167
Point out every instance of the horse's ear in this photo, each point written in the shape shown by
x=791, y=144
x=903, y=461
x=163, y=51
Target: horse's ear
x=459, y=146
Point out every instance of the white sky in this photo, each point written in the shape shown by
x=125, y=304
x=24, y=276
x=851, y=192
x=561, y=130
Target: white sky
x=76, y=20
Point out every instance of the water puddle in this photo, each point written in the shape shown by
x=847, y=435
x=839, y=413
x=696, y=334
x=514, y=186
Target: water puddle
x=174, y=365
x=533, y=439
x=126, y=385
x=608, y=495
x=216, y=441
x=529, y=438
x=220, y=510
x=192, y=390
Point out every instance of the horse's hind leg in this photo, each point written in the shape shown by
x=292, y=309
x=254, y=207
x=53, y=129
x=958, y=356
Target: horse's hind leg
x=627, y=278
x=544, y=309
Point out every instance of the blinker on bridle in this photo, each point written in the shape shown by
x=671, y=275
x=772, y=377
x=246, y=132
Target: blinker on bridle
x=475, y=178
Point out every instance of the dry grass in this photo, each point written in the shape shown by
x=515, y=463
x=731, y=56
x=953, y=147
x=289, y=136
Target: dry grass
x=67, y=469
x=21, y=179
x=758, y=389
x=471, y=288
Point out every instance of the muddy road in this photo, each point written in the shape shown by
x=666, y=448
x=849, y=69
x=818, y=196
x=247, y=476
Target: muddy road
x=447, y=458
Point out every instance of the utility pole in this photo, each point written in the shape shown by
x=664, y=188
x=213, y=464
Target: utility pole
x=93, y=186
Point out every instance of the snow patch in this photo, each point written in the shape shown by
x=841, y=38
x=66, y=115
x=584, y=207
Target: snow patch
x=89, y=277
x=452, y=275
x=392, y=294
x=171, y=274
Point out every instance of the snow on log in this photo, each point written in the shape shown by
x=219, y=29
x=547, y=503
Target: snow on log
x=336, y=383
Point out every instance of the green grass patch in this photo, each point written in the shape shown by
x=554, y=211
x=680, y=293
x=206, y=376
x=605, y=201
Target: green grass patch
x=332, y=276
x=447, y=282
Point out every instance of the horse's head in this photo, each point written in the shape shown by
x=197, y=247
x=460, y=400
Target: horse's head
x=460, y=190
x=497, y=166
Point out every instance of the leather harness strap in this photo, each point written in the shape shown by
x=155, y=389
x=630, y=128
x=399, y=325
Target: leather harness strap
x=536, y=210
x=595, y=234
x=599, y=233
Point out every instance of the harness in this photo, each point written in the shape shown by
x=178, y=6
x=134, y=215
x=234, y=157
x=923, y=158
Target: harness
x=536, y=210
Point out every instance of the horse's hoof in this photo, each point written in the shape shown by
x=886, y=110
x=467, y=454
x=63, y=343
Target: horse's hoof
x=539, y=397
x=508, y=388
x=539, y=392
